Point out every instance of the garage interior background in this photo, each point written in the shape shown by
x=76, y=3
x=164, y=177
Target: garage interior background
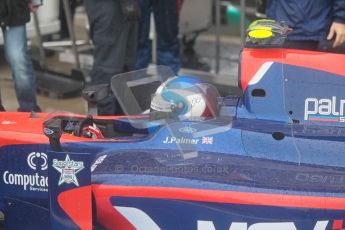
x=59, y=56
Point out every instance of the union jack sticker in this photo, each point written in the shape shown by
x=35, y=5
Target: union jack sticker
x=207, y=140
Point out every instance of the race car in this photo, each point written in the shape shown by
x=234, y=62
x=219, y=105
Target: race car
x=183, y=157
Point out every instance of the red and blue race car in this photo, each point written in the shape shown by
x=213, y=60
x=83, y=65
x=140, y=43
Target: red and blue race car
x=187, y=158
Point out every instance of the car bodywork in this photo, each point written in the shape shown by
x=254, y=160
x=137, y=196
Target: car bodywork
x=272, y=159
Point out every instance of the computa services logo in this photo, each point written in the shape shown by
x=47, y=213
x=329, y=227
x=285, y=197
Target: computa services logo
x=35, y=158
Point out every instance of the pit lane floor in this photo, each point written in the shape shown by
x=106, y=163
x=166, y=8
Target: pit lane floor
x=9, y=101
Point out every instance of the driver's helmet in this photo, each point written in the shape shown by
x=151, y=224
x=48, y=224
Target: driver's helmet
x=184, y=97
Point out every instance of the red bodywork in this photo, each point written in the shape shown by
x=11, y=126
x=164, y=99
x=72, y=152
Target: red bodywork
x=255, y=58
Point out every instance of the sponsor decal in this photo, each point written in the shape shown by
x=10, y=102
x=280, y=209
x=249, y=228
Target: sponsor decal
x=98, y=162
x=320, y=178
x=187, y=129
x=68, y=170
x=141, y=220
x=32, y=182
x=324, y=110
x=188, y=141
x=48, y=131
x=319, y=225
x=35, y=158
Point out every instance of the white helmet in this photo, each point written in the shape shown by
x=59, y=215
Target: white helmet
x=184, y=97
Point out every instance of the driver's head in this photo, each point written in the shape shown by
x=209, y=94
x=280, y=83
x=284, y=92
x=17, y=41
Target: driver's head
x=183, y=98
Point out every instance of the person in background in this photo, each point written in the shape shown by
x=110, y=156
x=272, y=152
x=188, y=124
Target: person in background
x=190, y=57
x=14, y=14
x=64, y=33
x=166, y=23
x=260, y=8
x=1, y=106
x=316, y=24
x=113, y=31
